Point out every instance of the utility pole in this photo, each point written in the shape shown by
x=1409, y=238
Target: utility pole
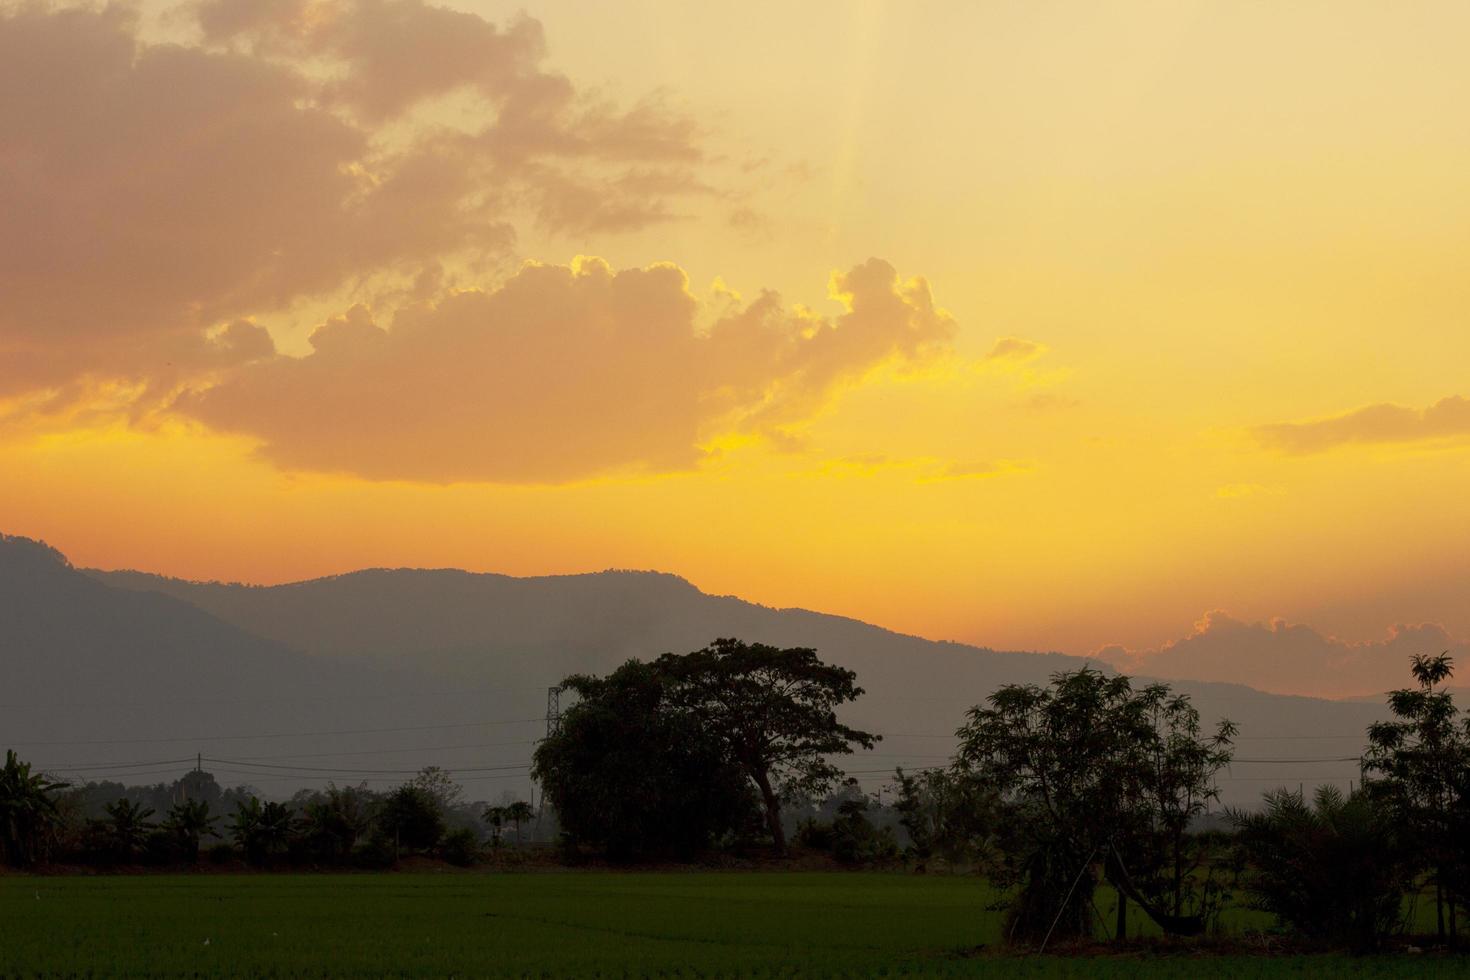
x=553, y=710
x=553, y=725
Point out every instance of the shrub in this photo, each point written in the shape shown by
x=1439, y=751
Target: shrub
x=461, y=847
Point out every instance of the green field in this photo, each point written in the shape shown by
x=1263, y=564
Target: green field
x=558, y=924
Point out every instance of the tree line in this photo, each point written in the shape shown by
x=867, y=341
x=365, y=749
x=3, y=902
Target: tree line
x=106, y=824
x=1055, y=791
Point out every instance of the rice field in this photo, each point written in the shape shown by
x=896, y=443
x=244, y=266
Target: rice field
x=771, y=924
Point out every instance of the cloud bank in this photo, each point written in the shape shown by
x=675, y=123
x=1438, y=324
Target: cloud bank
x=1288, y=658
x=1448, y=418
x=561, y=373
x=151, y=192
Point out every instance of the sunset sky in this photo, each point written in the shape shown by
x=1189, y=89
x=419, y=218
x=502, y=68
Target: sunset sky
x=1040, y=326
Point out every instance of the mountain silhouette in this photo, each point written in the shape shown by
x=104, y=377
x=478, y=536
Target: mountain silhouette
x=392, y=669
x=526, y=633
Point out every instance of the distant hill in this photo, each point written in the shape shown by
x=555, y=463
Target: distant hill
x=512, y=637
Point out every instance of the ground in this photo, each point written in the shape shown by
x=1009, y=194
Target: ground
x=562, y=924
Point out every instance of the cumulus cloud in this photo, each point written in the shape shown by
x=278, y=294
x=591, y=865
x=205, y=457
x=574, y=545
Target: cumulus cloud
x=1287, y=658
x=563, y=372
x=1447, y=418
x=151, y=192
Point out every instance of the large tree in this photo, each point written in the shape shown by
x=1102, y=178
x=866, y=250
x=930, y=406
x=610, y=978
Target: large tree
x=775, y=711
x=1092, y=771
x=1422, y=763
x=630, y=774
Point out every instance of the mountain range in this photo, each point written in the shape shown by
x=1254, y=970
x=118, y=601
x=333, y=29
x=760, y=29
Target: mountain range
x=368, y=676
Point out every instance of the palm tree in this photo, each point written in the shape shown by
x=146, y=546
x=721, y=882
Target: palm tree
x=261, y=830
x=275, y=828
x=190, y=822
x=518, y=813
x=495, y=817
x=28, y=813
x=127, y=827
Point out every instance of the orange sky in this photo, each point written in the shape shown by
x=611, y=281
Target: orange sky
x=1032, y=325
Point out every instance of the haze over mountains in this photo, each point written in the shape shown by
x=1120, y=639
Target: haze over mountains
x=362, y=675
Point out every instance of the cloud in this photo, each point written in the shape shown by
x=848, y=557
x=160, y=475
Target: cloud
x=151, y=192
x=1015, y=349
x=1286, y=658
x=1447, y=418
x=562, y=373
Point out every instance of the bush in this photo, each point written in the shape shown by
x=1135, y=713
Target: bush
x=461, y=847
x=1334, y=870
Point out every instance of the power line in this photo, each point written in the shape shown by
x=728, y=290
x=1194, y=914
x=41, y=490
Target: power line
x=333, y=770
x=236, y=738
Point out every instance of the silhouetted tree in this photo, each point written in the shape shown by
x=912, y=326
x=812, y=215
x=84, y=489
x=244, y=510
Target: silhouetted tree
x=1422, y=761
x=189, y=823
x=949, y=814
x=1091, y=770
x=775, y=711
x=630, y=773
x=127, y=828
x=495, y=816
x=336, y=820
x=261, y=830
x=411, y=818
x=28, y=813
x=1336, y=869
x=519, y=813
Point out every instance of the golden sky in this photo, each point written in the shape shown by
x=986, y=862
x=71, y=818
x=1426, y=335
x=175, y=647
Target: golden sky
x=1057, y=326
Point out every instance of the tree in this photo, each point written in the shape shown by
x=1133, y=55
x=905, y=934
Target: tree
x=411, y=817
x=495, y=816
x=28, y=813
x=127, y=828
x=633, y=775
x=189, y=822
x=1088, y=770
x=335, y=821
x=775, y=711
x=440, y=786
x=1335, y=869
x=1422, y=761
x=261, y=830
x=948, y=814
x=519, y=813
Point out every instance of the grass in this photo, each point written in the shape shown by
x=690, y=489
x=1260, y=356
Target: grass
x=558, y=924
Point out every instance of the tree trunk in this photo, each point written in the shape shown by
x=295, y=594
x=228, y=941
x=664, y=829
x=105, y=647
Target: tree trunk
x=773, y=811
x=1120, y=931
x=1438, y=906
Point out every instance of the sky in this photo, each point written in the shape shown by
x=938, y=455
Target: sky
x=1133, y=329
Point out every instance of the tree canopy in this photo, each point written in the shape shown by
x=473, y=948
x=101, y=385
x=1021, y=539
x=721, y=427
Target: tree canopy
x=775, y=711
x=631, y=775
x=1091, y=769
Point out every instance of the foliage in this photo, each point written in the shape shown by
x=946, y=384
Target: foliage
x=1091, y=770
x=411, y=818
x=631, y=774
x=127, y=828
x=948, y=814
x=262, y=831
x=333, y=822
x=775, y=710
x=189, y=823
x=1335, y=869
x=460, y=847
x=28, y=813
x=1422, y=764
